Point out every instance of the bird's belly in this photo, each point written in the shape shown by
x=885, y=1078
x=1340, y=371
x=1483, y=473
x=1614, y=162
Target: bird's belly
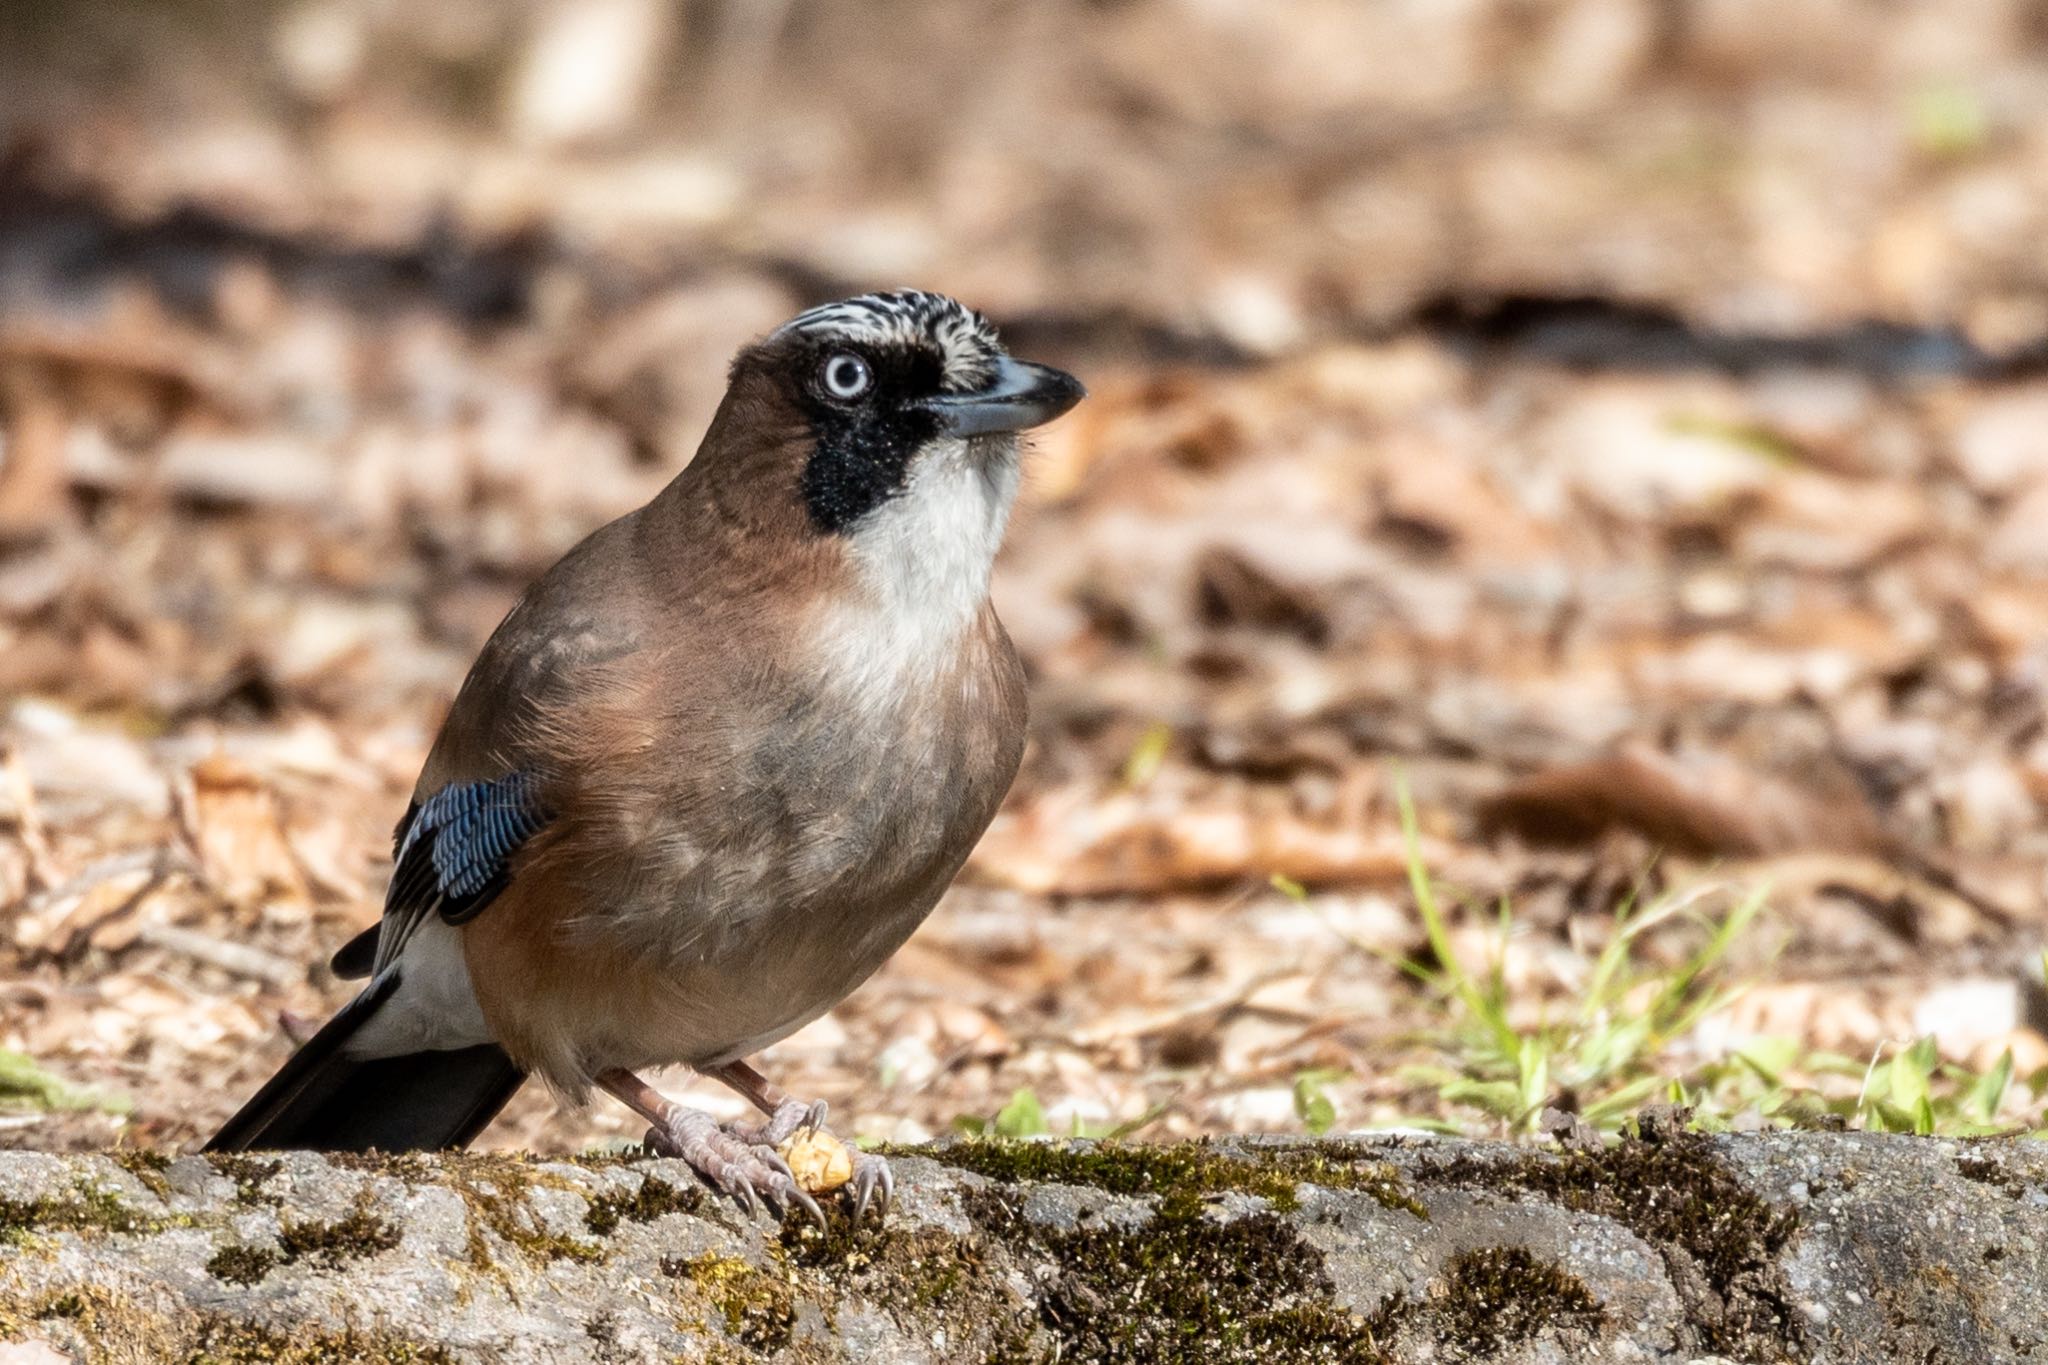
x=770, y=973
x=727, y=918
x=691, y=982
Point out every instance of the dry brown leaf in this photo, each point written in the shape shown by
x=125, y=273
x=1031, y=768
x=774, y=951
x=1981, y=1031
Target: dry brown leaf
x=1231, y=590
x=137, y=359
x=242, y=844
x=1701, y=804
x=1121, y=845
x=90, y=903
x=32, y=478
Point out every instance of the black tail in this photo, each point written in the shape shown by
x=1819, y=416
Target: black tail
x=324, y=1101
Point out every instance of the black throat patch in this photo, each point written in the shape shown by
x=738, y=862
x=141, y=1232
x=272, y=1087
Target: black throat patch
x=863, y=449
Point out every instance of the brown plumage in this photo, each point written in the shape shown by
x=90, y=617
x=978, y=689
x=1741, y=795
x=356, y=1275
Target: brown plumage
x=723, y=758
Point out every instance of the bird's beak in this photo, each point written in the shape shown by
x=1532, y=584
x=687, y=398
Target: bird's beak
x=1022, y=395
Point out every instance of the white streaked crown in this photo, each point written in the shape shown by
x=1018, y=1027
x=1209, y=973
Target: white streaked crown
x=966, y=340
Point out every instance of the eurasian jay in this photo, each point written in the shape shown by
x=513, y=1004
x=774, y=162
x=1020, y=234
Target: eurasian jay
x=713, y=769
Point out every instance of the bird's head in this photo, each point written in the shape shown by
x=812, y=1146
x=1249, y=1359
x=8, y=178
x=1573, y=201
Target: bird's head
x=884, y=429
x=877, y=399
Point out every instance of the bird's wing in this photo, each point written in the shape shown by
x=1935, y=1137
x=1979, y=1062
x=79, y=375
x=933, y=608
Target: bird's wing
x=481, y=795
x=454, y=854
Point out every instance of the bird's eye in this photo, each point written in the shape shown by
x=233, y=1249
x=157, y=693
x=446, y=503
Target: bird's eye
x=846, y=376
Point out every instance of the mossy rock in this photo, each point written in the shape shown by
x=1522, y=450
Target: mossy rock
x=1762, y=1248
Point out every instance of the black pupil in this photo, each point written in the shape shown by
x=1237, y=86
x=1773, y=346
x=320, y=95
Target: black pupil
x=845, y=375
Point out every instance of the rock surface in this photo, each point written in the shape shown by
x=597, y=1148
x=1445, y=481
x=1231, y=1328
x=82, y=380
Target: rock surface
x=1671, y=1247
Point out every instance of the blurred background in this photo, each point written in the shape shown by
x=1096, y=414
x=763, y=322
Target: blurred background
x=1622, y=425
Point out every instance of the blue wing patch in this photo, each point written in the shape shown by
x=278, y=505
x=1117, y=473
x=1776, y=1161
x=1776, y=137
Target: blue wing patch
x=477, y=828
x=455, y=849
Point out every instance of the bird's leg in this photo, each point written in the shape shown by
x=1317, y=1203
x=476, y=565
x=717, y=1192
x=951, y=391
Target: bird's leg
x=752, y=1172
x=786, y=1116
x=873, y=1183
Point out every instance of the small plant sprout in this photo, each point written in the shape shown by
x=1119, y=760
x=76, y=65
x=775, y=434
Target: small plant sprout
x=1142, y=764
x=1024, y=1117
x=1632, y=1037
x=1312, y=1103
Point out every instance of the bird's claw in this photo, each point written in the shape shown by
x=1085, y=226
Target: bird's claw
x=873, y=1184
x=780, y=1194
x=815, y=1116
x=790, y=1118
x=750, y=1172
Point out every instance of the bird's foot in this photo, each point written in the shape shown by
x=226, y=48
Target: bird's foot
x=866, y=1179
x=871, y=1184
x=734, y=1160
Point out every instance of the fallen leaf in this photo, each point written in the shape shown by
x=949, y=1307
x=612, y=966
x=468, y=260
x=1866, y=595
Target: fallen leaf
x=242, y=844
x=1124, y=846
x=1700, y=804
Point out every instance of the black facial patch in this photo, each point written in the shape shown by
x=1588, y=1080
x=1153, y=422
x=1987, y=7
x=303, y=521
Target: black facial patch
x=864, y=447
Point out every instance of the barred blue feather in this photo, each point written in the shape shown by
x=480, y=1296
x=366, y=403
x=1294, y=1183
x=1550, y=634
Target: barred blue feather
x=476, y=827
x=454, y=854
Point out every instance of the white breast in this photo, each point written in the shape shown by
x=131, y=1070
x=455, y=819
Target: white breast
x=924, y=558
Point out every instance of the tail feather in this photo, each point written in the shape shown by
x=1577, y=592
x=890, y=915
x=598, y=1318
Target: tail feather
x=324, y=1100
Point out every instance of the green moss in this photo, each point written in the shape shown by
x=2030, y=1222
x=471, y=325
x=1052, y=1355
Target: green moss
x=1339, y=1164
x=1936, y=1304
x=1184, y=1289
x=244, y=1265
x=411, y=1167
x=112, y=1326
x=249, y=1174
x=1985, y=1171
x=516, y=1167
x=1505, y=1296
x=146, y=1166
x=652, y=1199
x=1720, y=1240
x=759, y=1309
x=65, y=1305
x=895, y=1267
x=88, y=1208
x=494, y=1189
x=915, y=1274
x=1185, y=1173
x=1185, y=1286
x=916, y=1268
x=221, y=1340
x=609, y=1159
x=360, y=1234
x=330, y=1245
